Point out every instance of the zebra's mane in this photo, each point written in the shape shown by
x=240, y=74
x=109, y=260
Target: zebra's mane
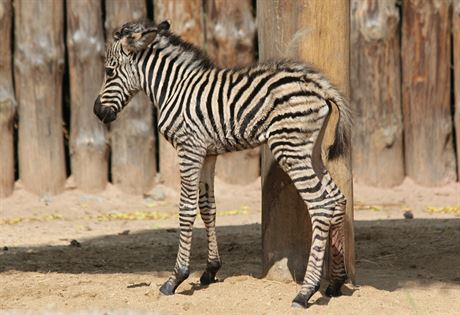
x=194, y=54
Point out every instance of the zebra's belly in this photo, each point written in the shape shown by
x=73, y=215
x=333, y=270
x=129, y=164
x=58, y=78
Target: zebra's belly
x=233, y=144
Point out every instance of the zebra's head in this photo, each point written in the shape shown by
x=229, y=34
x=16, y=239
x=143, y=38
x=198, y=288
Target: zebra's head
x=121, y=80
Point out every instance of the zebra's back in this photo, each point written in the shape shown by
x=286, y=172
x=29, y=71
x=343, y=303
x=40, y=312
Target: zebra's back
x=236, y=109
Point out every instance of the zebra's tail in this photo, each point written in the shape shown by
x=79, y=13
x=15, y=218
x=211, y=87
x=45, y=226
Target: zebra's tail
x=342, y=141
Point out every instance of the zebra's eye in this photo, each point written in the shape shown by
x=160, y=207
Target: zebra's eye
x=109, y=71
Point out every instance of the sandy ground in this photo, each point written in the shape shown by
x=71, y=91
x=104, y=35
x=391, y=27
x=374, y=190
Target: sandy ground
x=125, y=247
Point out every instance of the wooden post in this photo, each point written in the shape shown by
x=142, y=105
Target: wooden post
x=376, y=93
x=186, y=17
x=88, y=141
x=230, y=35
x=39, y=65
x=7, y=102
x=456, y=50
x=428, y=132
x=132, y=135
x=317, y=32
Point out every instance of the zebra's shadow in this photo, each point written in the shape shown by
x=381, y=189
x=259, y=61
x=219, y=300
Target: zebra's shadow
x=144, y=251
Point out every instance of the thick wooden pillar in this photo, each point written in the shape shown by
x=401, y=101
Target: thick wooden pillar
x=428, y=132
x=230, y=36
x=378, y=158
x=317, y=32
x=39, y=68
x=88, y=138
x=186, y=18
x=7, y=102
x=132, y=135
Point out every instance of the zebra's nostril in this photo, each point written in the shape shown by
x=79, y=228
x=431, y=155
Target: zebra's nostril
x=105, y=113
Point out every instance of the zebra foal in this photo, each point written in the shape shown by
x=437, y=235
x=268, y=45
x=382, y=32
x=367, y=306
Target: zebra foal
x=205, y=110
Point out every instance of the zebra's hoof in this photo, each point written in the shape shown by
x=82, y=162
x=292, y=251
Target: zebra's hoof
x=168, y=288
x=207, y=278
x=333, y=291
x=300, y=301
x=209, y=275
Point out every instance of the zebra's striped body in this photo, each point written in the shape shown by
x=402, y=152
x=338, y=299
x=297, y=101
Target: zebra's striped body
x=205, y=110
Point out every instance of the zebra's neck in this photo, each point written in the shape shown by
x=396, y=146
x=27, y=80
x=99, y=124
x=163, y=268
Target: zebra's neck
x=167, y=70
x=166, y=65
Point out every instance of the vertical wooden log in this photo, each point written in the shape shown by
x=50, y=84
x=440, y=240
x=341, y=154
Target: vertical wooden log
x=186, y=17
x=456, y=51
x=133, y=141
x=376, y=93
x=429, y=154
x=315, y=31
x=230, y=35
x=88, y=141
x=39, y=65
x=7, y=102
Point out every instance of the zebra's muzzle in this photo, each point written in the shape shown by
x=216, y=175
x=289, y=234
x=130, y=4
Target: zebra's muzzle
x=105, y=113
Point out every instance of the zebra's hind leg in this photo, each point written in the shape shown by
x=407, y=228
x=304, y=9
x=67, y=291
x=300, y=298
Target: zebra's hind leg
x=190, y=164
x=207, y=207
x=338, y=274
x=321, y=196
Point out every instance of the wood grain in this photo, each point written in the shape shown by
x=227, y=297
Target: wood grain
x=88, y=137
x=378, y=158
x=428, y=132
x=39, y=66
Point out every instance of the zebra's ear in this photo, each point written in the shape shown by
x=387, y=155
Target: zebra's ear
x=164, y=26
x=136, y=40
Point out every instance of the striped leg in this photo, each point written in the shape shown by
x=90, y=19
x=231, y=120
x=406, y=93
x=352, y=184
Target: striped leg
x=207, y=207
x=190, y=164
x=338, y=272
x=321, y=196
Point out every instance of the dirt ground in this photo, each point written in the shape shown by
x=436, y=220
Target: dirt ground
x=124, y=247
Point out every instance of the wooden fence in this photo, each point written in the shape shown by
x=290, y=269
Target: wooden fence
x=406, y=106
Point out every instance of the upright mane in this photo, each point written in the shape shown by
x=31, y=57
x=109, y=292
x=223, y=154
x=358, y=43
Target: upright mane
x=196, y=54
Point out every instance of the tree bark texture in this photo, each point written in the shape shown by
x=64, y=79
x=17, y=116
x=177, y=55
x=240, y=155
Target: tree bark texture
x=39, y=65
x=378, y=158
x=132, y=135
x=429, y=154
x=230, y=35
x=317, y=32
x=88, y=139
x=186, y=18
x=7, y=102
x=456, y=52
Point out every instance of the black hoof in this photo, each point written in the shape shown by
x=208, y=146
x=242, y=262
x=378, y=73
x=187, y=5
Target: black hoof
x=207, y=278
x=300, y=301
x=209, y=275
x=168, y=288
x=333, y=291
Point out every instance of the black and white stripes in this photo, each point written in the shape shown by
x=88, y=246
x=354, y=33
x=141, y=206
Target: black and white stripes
x=205, y=111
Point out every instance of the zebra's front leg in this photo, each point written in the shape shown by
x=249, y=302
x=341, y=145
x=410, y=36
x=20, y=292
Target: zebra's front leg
x=207, y=207
x=190, y=167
